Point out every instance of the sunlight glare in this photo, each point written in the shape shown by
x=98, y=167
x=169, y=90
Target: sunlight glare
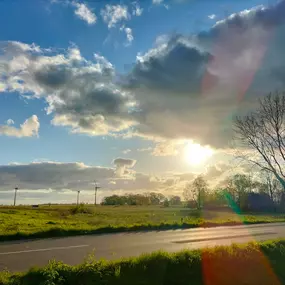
x=196, y=154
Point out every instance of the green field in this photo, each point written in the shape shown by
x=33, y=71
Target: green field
x=251, y=264
x=26, y=222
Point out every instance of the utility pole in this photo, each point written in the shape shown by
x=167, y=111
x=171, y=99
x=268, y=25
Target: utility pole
x=78, y=192
x=15, y=195
x=96, y=189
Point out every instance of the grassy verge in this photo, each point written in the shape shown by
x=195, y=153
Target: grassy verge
x=56, y=221
x=63, y=232
x=254, y=263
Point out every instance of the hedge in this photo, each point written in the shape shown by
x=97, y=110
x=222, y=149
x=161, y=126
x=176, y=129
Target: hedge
x=253, y=263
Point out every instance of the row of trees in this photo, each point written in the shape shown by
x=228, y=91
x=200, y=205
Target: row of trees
x=141, y=199
x=240, y=192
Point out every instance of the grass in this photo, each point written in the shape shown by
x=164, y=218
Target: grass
x=250, y=264
x=27, y=222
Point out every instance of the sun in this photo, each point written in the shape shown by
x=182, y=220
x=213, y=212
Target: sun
x=196, y=154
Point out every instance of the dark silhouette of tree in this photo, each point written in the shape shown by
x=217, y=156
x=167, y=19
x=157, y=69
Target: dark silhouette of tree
x=239, y=186
x=196, y=191
x=135, y=199
x=262, y=132
x=175, y=200
x=155, y=198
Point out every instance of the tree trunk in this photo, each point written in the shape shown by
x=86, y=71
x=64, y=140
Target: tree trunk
x=280, y=179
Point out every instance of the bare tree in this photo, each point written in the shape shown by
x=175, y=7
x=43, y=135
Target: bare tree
x=269, y=183
x=262, y=133
x=196, y=191
x=271, y=186
x=238, y=186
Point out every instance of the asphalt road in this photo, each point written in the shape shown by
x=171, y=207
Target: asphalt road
x=21, y=255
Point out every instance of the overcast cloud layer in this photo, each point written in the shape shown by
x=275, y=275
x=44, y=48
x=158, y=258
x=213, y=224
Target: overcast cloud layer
x=185, y=87
x=44, y=182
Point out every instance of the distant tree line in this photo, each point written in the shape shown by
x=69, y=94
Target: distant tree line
x=141, y=199
x=239, y=192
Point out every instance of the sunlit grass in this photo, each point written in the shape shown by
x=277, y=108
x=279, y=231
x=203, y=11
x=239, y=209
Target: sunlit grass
x=25, y=222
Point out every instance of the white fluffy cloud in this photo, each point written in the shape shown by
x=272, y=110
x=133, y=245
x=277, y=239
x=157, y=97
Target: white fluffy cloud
x=81, y=94
x=137, y=10
x=29, y=128
x=113, y=14
x=212, y=16
x=129, y=34
x=83, y=12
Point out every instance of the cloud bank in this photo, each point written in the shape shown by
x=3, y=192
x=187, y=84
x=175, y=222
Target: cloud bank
x=45, y=181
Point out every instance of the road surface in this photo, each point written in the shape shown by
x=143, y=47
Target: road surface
x=21, y=255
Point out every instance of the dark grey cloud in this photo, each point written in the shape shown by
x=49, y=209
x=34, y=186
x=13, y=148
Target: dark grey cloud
x=162, y=69
x=52, y=175
x=123, y=166
x=192, y=86
x=53, y=76
x=124, y=162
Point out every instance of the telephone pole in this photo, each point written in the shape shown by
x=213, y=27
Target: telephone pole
x=96, y=189
x=78, y=192
x=15, y=195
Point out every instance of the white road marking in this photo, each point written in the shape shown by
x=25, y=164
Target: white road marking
x=44, y=249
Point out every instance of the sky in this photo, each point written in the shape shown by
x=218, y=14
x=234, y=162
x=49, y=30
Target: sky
x=137, y=95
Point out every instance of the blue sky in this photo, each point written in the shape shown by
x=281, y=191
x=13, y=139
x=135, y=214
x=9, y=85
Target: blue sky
x=119, y=40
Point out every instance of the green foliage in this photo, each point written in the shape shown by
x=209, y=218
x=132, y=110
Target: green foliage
x=251, y=264
x=175, y=200
x=166, y=203
x=80, y=209
x=196, y=191
x=134, y=199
